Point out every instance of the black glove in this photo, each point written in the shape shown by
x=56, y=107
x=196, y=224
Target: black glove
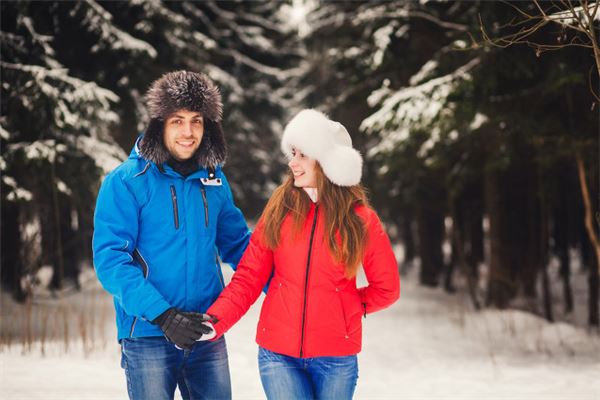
x=182, y=328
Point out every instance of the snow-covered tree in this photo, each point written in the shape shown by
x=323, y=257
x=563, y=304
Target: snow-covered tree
x=474, y=121
x=55, y=147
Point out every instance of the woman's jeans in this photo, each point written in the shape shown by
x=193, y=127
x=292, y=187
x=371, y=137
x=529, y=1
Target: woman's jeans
x=285, y=377
x=154, y=367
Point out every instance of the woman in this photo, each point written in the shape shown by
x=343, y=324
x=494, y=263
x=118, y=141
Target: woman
x=314, y=232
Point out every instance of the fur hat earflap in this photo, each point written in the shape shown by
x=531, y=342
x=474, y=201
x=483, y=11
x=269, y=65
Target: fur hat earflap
x=184, y=90
x=326, y=141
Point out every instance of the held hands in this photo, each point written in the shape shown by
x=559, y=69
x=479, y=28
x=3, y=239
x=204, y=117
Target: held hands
x=184, y=328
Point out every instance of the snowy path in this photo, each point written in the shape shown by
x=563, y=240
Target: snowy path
x=424, y=347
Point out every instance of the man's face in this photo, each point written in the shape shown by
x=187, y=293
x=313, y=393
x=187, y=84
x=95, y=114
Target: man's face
x=183, y=133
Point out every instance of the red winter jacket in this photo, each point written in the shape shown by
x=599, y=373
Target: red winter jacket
x=311, y=308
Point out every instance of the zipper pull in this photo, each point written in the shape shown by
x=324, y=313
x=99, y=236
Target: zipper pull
x=365, y=308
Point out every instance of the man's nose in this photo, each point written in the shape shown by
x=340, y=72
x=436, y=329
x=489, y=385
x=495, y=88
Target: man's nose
x=187, y=129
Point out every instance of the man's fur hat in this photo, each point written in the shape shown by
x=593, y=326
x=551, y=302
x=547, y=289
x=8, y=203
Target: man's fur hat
x=193, y=92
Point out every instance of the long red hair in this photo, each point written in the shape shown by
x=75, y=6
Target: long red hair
x=344, y=229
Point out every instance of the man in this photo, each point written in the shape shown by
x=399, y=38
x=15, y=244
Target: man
x=163, y=218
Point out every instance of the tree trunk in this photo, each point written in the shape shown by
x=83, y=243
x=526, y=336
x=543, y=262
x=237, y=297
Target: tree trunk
x=543, y=259
x=458, y=248
x=449, y=268
x=594, y=296
x=12, y=264
x=501, y=284
x=409, y=244
x=430, y=227
x=474, y=235
x=561, y=239
x=530, y=237
x=66, y=255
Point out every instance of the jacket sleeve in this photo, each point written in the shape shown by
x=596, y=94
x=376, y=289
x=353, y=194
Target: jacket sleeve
x=381, y=269
x=251, y=275
x=233, y=234
x=115, y=236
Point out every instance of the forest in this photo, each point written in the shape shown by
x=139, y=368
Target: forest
x=478, y=122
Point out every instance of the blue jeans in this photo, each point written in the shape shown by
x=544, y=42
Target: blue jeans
x=154, y=367
x=285, y=377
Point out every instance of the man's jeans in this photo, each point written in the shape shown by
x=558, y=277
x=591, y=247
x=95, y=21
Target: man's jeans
x=154, y=367
x=285, y=377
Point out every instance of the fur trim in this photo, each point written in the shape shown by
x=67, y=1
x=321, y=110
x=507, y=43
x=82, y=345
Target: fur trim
x=326, y=141
x=184, y=90
x=194, y=92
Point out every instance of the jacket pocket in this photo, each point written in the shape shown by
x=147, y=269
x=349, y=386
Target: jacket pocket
x=343, y=311
x=272, y=297
x=137, y=256
x=205, y=203
x=175, y=209
x=351, y=311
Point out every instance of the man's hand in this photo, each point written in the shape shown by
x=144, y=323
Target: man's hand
x=181, y=327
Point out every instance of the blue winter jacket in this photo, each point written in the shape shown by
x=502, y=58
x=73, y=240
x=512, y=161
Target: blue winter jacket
x=158, y=238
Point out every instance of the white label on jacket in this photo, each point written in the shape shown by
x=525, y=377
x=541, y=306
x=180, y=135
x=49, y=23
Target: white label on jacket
x=211, y=182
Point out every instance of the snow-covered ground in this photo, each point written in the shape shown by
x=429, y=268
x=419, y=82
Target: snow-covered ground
x=426, y=346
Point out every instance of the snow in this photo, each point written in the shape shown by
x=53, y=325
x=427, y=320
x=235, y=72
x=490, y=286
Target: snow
x=100, y=20
x=294, y=16
x=106, y=155
x=427, y=68
x=478, y=120
x=70, y=95
x=40, y=150
x=16, y=193
x=62, y=187
x=575, y=17
x=381, y=37
x=4, y=133
x=429, y=345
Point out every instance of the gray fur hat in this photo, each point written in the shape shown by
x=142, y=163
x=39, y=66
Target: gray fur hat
x=194, y=92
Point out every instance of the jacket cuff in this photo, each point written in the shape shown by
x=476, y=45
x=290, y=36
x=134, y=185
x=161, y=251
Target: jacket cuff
x=155, y=309
x=218, y=327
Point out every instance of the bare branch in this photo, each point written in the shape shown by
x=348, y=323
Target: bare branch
x=443, y=24
x=596, y=96
x=540, y=8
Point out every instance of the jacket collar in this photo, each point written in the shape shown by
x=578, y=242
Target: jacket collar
x=202, y=172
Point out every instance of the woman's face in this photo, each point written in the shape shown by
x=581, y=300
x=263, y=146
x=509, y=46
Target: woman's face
x=303, y=168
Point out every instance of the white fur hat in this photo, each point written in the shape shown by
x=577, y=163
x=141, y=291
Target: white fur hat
x=326, y=141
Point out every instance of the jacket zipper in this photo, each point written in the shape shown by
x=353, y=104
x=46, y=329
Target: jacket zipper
x=137, y=256
x=175, y=210
x=205, y=206
x=312, y=234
